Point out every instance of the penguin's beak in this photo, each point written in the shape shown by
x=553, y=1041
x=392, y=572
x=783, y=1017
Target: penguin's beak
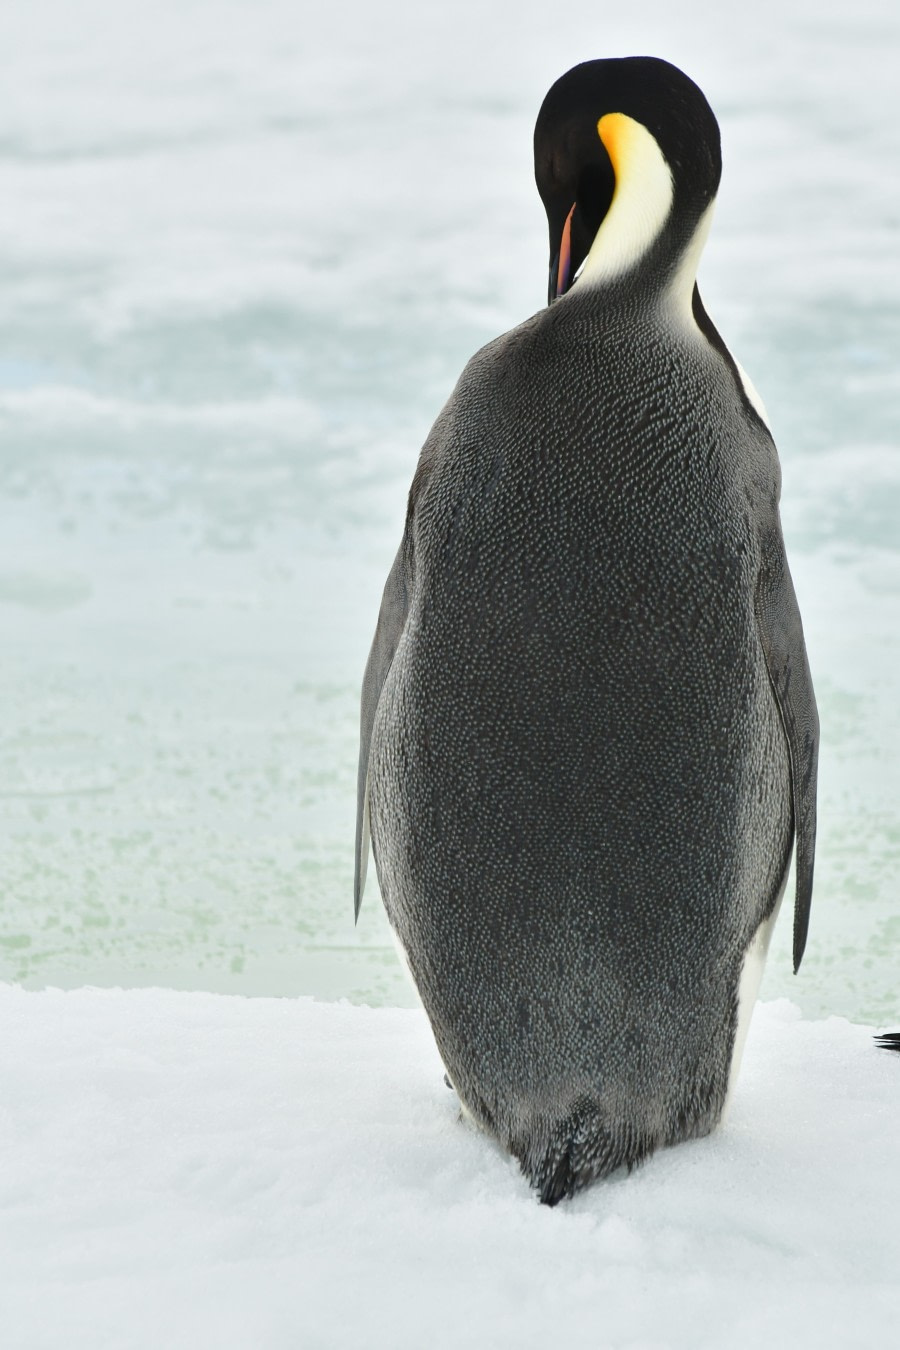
x=561, y=266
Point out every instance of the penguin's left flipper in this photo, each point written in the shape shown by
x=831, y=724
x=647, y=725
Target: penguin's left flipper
x=391, y=622
x=781, y=635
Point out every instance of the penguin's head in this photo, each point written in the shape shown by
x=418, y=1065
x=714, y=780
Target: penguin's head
x=627, y=160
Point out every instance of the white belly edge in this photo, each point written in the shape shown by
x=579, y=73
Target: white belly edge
x=404, y=961
x=748, y=988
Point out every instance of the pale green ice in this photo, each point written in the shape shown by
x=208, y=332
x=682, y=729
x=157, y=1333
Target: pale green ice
x=243, y=257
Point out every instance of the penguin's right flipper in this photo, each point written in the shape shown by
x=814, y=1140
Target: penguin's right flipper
x=888, y=1040
x=391, y=622
x=781, y=634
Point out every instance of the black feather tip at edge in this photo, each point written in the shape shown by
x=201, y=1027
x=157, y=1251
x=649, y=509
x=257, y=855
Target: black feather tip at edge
x=888, y=1040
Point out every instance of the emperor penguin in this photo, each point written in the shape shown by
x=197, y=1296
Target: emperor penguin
x=588, y=731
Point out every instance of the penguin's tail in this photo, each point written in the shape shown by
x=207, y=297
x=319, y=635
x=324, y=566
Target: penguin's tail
x=579, y=1149
x=888, y=1040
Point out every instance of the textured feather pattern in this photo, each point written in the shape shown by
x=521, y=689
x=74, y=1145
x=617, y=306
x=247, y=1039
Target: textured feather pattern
x=579, y=777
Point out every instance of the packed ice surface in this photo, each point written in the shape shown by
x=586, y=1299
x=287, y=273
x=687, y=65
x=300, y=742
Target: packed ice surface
x=188, y=1170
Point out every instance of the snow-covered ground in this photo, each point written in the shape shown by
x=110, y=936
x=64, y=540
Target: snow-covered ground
x=192, y=1170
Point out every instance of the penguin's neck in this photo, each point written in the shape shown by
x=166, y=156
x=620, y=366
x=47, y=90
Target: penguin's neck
x=680, y=288
x=640, y=238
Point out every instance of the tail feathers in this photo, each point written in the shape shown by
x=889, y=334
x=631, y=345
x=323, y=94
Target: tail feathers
x=888, y=1040
x=577, y=1150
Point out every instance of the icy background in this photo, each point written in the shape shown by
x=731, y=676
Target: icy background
x=245, y=250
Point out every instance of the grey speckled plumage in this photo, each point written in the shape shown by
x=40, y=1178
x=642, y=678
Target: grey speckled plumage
x=587, y=720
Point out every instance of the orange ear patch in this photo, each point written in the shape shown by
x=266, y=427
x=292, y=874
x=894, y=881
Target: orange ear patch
x=615, y=131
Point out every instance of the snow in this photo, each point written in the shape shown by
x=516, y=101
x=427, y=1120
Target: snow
x=198, y=1170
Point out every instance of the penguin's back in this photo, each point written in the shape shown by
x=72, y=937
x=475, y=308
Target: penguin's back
x=578, y=782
